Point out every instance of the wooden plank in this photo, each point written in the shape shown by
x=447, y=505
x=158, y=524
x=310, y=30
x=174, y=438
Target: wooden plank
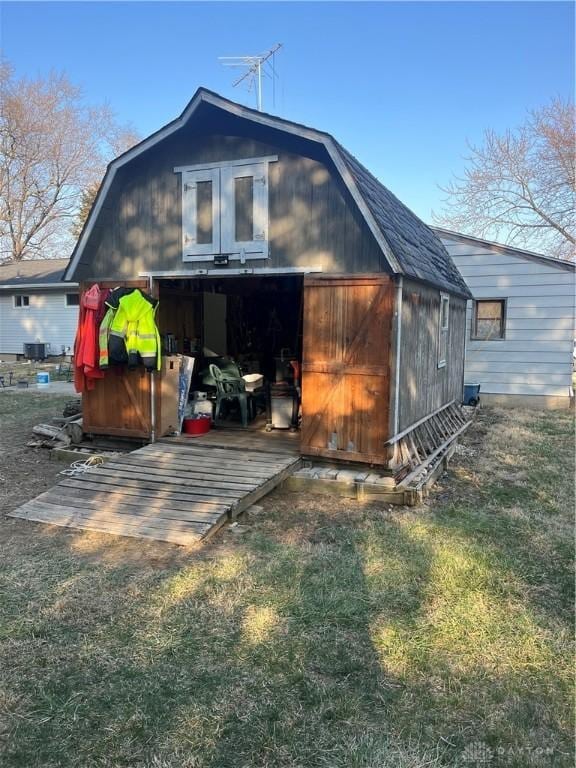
x=226, y=478
x=57, y=511
x=352, y=280
x=121, y=507
x=206, y=464
x=178, y=537
x=210, y=459
x=245, y=453
x=364, y=458
x=58, y=514
x=149, y=481
x=340, y=369
x=157, y=491
x=251, y=456
x=131, y=496
x=248, y=442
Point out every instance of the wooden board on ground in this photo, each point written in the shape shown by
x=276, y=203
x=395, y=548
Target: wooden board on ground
x=176, y=492
x=276, y=442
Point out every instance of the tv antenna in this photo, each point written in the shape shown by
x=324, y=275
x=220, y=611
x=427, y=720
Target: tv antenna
x=254, y=70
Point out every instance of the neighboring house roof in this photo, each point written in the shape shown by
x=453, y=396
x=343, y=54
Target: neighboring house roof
x=570, y=266
x=36, y=273
x=409, y=245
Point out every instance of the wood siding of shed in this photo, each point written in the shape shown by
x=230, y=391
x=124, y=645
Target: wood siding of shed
x=423, y=386
x=119, y=404
x=313, y=220
x=46, y=320
x=535, y=357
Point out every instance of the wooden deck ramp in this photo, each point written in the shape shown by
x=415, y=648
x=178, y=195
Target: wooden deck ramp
x=181, y=492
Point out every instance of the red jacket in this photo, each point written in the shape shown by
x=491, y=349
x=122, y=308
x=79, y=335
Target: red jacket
x=86, y=351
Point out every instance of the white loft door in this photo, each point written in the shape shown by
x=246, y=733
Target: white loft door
x=244, y=215
x=200, y=213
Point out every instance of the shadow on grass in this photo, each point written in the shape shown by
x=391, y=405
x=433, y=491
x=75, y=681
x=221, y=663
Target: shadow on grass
x=263, y=653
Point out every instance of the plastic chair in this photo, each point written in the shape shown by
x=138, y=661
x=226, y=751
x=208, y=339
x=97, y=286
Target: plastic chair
x=230, y=389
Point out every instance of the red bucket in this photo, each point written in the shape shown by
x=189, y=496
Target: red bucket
x=197, y=426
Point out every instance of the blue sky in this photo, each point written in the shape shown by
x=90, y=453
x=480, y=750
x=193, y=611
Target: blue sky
x=401, y=85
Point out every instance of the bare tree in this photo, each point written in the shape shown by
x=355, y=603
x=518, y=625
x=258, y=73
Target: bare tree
x=520, y=187
x=52, y=148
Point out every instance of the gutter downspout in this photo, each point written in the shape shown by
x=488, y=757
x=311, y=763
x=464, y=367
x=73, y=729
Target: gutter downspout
x=152, y=384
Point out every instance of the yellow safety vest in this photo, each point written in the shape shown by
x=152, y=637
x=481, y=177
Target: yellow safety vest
x=134, y=323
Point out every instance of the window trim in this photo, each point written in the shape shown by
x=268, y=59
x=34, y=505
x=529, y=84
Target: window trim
x=21, y=305
x=474, y=319
x=443, y=329
x=71, y=306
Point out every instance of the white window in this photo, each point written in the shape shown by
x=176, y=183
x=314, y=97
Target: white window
x=225, y=210
x=443, y=327
x=72, y=300
x=21, y=301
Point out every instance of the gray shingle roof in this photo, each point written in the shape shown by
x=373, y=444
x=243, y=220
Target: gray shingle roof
x=33, y=272
x=417, y=248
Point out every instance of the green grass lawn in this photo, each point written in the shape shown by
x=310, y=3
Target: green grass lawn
x=325, y=634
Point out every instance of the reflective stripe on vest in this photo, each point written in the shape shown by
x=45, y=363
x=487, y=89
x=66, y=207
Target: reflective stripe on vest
x=103, y=333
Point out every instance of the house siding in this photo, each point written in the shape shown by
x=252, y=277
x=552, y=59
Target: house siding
x=535, y=357
x=424, y=386
x=46, y=320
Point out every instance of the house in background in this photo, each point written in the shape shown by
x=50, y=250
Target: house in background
x=37, y=307
x=521, y=324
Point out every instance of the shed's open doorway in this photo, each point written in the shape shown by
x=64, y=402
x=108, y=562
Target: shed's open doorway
x=248, y=327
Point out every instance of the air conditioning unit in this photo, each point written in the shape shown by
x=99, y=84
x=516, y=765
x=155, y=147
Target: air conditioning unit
x=36, y=351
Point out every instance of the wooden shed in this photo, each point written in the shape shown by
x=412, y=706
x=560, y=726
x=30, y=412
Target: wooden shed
x=258, y=236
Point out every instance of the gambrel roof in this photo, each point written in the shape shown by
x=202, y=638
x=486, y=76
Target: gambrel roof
x=409, y=246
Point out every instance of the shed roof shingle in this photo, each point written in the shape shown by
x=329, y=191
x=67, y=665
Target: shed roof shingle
x=417, y=248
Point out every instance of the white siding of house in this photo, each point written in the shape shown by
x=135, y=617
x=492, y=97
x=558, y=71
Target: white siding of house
x=535, y=357
x=47, y=319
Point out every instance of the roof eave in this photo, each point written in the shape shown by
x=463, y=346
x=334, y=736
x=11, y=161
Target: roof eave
x=502, y=247
x=36, y=286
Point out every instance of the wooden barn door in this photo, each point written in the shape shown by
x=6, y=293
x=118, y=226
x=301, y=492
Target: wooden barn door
x=119, y=404
x=346, y=367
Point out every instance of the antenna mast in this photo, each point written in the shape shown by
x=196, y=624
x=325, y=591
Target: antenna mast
x=253, y=74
